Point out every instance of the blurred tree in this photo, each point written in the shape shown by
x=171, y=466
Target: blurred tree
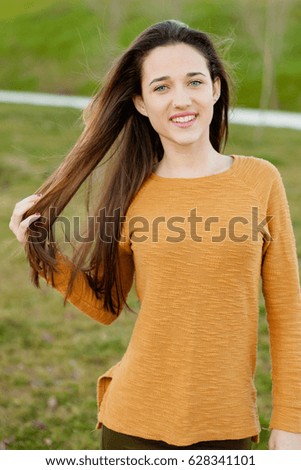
x=266, y=22
x=111, y=13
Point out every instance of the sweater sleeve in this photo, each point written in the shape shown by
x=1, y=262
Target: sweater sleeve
x=281, y=290
x=81, y=295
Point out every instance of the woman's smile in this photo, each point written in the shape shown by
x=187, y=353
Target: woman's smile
x=184, y=119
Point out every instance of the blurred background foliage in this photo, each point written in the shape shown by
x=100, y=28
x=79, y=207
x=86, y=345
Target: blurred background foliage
x=65, y=46
x=51, y=356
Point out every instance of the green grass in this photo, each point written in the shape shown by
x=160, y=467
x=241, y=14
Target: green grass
x=65, y=46
x=51, y=356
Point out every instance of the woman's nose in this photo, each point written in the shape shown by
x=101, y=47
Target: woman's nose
x=181, y=99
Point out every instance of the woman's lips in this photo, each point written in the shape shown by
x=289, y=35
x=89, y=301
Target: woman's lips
x=183, y=119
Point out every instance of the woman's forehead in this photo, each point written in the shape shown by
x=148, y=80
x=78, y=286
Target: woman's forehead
x=174, y=58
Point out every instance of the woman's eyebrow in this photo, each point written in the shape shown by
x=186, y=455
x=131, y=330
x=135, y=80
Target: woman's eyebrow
x=166, y=77
x=159, y=79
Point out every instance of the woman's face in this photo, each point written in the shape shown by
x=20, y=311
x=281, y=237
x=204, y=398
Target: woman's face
x=178, y=94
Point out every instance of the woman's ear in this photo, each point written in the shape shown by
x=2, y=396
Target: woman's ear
x=216, y=89
x=139, y=105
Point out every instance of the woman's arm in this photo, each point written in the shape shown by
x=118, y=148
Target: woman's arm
x=281, y=290
x=82, y=295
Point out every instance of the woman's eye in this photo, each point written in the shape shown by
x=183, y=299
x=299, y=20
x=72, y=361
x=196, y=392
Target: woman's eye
x=161, y=88
x=195, y=82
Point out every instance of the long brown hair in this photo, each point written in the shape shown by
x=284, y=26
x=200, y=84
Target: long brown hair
x=115, y=129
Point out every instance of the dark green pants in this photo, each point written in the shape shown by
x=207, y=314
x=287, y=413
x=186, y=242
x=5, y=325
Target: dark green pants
x=112, y=440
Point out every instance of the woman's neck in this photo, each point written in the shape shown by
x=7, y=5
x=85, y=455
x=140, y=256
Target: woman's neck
x=186, y=163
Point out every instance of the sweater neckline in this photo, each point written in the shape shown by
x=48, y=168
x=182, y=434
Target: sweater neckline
x=214, y=176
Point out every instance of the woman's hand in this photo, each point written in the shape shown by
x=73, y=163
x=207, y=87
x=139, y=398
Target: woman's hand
x=19, y=226
x=284, y=440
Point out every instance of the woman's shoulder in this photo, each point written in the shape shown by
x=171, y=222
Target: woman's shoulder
x=254, y=167
x=259, y=175
x=142, y=196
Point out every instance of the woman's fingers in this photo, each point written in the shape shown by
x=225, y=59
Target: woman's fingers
x=19, y=226
x=21, y=233
x=22, y=206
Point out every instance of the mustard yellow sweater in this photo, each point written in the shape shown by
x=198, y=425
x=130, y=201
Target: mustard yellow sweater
x=198, y=248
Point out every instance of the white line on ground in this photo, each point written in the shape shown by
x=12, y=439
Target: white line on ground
x=242, y=116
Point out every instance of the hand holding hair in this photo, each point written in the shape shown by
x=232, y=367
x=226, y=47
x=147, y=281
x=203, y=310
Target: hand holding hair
x=19, y=226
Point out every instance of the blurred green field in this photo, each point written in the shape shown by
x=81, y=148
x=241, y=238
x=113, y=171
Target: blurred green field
x=51, y=356
x=65, y=46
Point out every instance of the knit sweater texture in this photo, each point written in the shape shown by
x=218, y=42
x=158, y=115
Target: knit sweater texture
x=199, y=250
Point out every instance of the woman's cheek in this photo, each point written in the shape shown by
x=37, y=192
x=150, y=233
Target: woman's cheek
x=156, y=123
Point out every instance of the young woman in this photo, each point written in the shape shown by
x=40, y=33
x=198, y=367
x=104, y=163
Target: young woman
x=197, y=229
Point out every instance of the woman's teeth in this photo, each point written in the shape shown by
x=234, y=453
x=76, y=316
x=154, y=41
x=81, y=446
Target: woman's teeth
x=183, y=118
